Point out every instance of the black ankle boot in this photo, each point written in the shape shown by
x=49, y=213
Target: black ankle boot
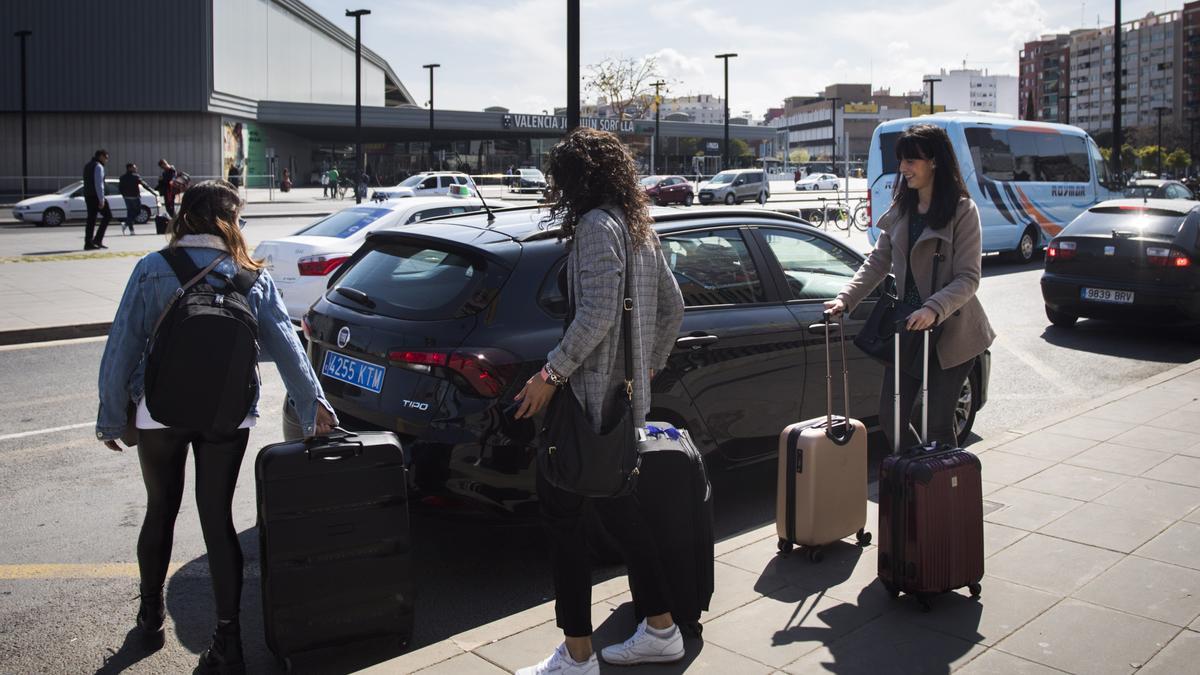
x=151, y=614
x=224, y=657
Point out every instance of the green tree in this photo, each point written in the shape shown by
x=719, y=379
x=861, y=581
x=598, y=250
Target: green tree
x=1106, y=153
x=799, y=156
x=1178, y=160
x=1128, y=157
x=1148, y=156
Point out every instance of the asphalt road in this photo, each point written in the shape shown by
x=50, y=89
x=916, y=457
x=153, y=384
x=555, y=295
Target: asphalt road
x=68, y=580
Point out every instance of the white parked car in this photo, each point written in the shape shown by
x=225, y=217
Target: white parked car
x=301, y=263
x=818, y=181
x=425, y=184
x=67, y=204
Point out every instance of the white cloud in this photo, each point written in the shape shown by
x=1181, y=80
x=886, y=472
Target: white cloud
x=513, y=52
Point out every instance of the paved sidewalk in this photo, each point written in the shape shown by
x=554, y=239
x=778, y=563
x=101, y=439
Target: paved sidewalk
x=1093, y=566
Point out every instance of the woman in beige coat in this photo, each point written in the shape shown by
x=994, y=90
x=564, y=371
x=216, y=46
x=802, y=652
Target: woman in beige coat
x=931, y=216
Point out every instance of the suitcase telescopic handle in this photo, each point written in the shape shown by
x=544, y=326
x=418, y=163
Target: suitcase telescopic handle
x=333, y=446
x=924, y=435
x=825, y=327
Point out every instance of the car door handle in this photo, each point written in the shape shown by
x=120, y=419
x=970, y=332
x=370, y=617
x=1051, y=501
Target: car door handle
x=696, y=341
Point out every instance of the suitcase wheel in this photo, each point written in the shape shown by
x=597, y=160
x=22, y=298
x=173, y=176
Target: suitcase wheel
x=286, y=664
x=891, y=590
x=863, y=537
x=815, y=554
x=785, y=547
x=975, y=589
x=923, y=600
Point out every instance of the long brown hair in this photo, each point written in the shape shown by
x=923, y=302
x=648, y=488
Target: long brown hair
x=588, y=169
x=212, y=207
x=931, y=142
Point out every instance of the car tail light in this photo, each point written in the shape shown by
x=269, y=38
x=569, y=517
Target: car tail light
x=320, y=265
x=1060, y=250
x=487, y=371
x=1166, y=257
x=869, y=218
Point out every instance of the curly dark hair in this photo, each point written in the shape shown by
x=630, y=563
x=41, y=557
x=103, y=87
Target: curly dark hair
x=588, y=169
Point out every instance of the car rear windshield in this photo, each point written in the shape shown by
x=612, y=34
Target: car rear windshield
x=1140, y=191
x=344, y=223
x=408, y=280
x=1105, y=220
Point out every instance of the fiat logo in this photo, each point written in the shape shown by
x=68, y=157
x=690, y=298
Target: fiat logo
x=343, y=337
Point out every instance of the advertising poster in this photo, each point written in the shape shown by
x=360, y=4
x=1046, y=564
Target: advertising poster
x=233, y=151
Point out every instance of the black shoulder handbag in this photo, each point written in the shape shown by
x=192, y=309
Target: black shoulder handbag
x=571, y=455
x=887, y=320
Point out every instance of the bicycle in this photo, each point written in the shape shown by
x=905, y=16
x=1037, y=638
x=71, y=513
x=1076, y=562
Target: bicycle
x=843, y=214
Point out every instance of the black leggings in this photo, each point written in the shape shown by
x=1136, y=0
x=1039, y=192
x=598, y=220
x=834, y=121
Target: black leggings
x=163, y=453
x=562, y=515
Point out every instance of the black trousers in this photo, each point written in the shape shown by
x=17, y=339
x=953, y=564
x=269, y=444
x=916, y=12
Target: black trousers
x=563, y=517
x=169, y=202
x=96, y=206
x=163, y=453
x=945, y=385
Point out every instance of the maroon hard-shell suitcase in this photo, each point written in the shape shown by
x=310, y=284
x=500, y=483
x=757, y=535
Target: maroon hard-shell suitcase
x=930, y=513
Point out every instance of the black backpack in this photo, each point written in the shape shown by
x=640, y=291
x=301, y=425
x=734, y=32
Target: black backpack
x=200, y=371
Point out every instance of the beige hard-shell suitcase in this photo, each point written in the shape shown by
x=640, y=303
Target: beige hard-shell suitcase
x=821, y=495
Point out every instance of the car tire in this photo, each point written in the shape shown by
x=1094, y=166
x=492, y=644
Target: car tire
x=729, y=199
x=687, y=201
x=143, y=215
x=1060, y=318
x=53, y=217
x=1026, y=247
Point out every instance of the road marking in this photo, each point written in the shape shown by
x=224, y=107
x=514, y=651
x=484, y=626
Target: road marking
x=53, y=343
x=39, y=432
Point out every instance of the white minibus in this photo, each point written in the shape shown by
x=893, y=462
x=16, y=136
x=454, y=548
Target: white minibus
x=1029, y=179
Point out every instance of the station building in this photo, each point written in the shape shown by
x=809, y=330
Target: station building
x=250, y=87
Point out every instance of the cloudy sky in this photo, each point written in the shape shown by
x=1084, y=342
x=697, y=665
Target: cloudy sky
x=513, y=52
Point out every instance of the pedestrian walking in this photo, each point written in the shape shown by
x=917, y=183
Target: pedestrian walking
x=93, y=198
x=206, y=247
x=285, y=185
x=596, y=200
x=130, y=185
x=931, y=240
x=332, y=176
x=166, y=186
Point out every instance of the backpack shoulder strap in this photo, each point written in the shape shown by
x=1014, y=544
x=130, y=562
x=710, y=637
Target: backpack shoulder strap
x=244, y=280
x=181, y=263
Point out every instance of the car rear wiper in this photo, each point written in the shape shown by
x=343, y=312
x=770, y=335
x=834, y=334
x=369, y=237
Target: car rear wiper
x=356, y=295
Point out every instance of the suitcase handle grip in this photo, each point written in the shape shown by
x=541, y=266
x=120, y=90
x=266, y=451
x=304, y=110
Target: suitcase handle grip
x=336, y=452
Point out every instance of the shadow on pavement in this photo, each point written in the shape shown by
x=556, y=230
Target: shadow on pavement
x=1134, y=340
x=998, y=265
x=133, y=650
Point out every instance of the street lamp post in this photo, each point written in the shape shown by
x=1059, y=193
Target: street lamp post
x=358, y=14
x=1067, y=98
x=431, y=66
x=572, y=64
x=1159, y=153
x=931, y=81
x=22, y=34
x=1118, y=92
x=833, y=135
x=725, y=147
x=1192, y=140
x=657, y=106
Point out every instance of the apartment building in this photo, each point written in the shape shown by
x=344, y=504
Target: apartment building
x=696, y=108
x=1190, y=46
x=843, y=113
x=975, y=90
x=1044, y=65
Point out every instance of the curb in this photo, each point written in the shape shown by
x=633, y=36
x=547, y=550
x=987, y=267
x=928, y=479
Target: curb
x=50, y=333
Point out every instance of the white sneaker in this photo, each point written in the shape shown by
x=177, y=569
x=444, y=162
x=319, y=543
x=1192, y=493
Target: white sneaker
x=561, y=663
x=645, y=647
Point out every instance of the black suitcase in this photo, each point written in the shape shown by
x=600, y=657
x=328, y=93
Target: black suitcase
x=335, y=542
x=161, y=223
x=676, y=501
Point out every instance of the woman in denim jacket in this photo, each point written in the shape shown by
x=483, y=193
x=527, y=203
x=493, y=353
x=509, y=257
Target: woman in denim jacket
x=207, y=227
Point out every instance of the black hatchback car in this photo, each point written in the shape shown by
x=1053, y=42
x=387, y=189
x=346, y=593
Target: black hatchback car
x=1126, y=259
x=430, y=330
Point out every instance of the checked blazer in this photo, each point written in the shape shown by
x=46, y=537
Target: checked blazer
x=591, y=352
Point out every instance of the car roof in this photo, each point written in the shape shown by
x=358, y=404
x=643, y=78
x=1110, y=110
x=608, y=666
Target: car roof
x=423, y=202
x=1150, y=182
x=1180, y=207
x=529, y=223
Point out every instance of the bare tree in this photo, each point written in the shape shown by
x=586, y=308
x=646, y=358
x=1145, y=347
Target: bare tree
x=625, y=83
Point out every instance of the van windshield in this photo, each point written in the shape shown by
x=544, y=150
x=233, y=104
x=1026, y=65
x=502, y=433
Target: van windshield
x=887, y=152
x=722, y=178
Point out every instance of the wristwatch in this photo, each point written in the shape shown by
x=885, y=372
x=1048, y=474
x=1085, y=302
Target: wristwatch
x=548, y=375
